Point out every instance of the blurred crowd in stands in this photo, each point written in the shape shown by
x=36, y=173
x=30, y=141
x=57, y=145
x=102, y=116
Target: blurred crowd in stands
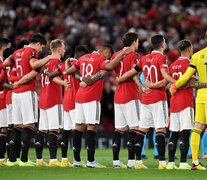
x=94, y=22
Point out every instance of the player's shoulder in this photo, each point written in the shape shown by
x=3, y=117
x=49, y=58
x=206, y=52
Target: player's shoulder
x=200, y=53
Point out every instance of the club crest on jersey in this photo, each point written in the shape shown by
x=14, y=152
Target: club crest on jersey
x=149, y=60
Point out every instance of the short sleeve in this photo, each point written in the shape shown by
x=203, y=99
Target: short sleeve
x=163, y=62
x=193, y=63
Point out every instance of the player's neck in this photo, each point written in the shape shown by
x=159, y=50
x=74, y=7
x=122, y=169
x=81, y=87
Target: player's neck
x=132, y=47
x=187, y=55
x=160, y=50
x=56, y=55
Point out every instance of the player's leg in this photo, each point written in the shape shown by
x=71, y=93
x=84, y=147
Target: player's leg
x=77, y=134
x=131, y=112
x=15, y=137
x=55, y=115
x=186, y=124
x=39, y=138
x=28, y=108
x=174, y=135
x=66, y=133
x=200, y=121
x=160, y=116
x=3, y=134
x=120, y=124
x=172, y=145
x=145, y=123
x=39, y=144
x=92, y=112
x=10, y=126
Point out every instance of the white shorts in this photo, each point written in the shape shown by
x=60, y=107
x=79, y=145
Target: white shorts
x=154, y=115
x=3, y=118
x=88, y=113
x=127, y=114
x=9, y=114
x=51, y=118
x=68, y=119
x=24, y=107
x=182, y=120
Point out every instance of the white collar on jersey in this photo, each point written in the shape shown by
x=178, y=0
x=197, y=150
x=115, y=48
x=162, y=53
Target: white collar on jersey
x=183, y=58
x=155, y=51
x=95, y=52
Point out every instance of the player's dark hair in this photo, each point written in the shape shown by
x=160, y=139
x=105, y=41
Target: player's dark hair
x=7, y=52
x=184, y=45
x=80, y=50
x=22, y=43
x=157, y=41
x=4, y=42
x=109, y=47
x=129, y=38
x=38, y=38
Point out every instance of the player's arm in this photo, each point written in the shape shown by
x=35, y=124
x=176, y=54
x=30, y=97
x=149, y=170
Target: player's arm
x=137, y=81
x=99, y=75
x=2, y=75
x=85, y=81
x=25, y=79
x=128, y=75
x=59, y=81
x=183, y=79
x=157, y=85
x=195, y=84
x=71, y=70
x=37, y=63
x=7, y=62
x=8, y=86
x=167, y=76
x=115, y=62
x=50, y=74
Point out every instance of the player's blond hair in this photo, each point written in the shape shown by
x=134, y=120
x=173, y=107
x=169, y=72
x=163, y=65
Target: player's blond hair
x=55, y=44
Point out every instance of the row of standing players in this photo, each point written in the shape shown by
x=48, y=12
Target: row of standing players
x=82, y=104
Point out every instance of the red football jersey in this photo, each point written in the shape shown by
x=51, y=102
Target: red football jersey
x=70, y=93
x=2, y=90
x=151, y=65
x=183, y=98
x=12, y=77
x=127, y=91
x=2, y=78
x=50, y=92
x=21, y=58
x=3, y=99
x=89, y=65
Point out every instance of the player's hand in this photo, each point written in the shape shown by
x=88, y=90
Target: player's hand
x=15, y=84
x=87, y=80
x=83, y=84
x=66, y=83
x=117, y=81
x=146, y=90
x=147, y=83
x=172, y=89
x=127, y=50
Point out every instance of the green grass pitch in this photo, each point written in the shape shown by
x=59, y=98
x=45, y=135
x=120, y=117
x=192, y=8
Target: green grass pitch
x=103, y=156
